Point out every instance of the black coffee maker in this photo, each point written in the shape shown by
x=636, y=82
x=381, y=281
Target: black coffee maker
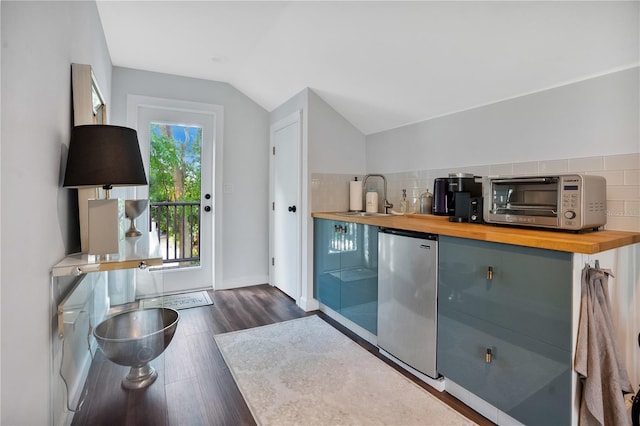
x=459, y=196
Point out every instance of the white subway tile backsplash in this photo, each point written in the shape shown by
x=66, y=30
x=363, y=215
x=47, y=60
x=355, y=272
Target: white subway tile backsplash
x=478, y=170
x=630, y=193
x=631, y=177
x=623, y=223
x=501, y=170
x=330, y=192
x=615, y=208
x=632, y=208
x=622, y=162
x=587, y=164
x=614, y=177
x=525, y=169
x=553, y=166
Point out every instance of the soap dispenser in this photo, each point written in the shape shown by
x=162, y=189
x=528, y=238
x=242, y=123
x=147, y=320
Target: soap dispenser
x=403, y=202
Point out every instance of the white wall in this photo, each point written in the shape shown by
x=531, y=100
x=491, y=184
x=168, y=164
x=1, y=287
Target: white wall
x=335, y=145
x=40, y=40
x=598, y=116
x=245, y=164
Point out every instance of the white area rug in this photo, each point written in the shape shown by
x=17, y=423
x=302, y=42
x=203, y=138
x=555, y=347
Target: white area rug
x=178, y=301
x=306, y=372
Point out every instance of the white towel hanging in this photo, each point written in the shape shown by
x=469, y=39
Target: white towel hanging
x=597, y=358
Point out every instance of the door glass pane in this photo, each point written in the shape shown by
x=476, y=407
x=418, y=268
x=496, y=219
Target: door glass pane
x=174, y=191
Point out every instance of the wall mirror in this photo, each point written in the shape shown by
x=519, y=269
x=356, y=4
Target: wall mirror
x=88, y=108
x=98, y=106
x=88, y=103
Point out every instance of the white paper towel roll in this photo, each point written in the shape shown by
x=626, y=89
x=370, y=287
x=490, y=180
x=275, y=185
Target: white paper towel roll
x=355, y=195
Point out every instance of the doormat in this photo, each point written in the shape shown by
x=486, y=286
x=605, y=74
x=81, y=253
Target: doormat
x=178, y=301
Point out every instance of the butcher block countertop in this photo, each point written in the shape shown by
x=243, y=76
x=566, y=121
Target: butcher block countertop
x=585, y=242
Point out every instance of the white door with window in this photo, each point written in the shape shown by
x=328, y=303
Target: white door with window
x=286, y=221
x=179, y=149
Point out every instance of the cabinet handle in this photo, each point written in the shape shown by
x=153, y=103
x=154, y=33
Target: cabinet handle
x=488, y=356
x=490, y=273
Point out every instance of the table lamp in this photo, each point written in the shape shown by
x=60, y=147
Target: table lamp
x=104, y=156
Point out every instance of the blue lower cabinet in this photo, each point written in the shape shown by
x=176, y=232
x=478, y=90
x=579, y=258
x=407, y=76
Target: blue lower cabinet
x=504, y=326
x=346, y=270
x=359, y=297
x=326, y=264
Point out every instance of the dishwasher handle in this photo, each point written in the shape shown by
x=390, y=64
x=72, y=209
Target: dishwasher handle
x=411, y=234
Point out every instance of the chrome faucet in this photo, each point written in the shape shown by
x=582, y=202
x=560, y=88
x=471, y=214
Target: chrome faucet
x=385, y=204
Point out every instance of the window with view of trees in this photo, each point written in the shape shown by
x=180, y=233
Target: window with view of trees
x=174, y=190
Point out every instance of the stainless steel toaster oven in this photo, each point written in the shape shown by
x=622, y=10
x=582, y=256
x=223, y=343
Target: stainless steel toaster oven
x=571, y=202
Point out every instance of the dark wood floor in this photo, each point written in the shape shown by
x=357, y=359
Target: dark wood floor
x=198, y=387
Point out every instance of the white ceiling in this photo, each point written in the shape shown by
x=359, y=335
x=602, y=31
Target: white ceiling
x=381, y=64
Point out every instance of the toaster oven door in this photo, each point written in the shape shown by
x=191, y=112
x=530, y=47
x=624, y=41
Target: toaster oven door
x=528, y=201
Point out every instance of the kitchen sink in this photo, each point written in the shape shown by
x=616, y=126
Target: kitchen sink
x=362, y=214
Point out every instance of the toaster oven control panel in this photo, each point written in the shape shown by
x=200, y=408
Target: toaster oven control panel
x=570, y=200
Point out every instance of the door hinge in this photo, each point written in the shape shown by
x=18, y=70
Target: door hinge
x=273, y=261
x=274, y=150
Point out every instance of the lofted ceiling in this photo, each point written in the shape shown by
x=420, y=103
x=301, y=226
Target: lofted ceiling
x=381, y=64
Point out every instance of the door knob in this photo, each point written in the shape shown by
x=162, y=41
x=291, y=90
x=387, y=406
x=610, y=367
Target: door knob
x=292, y=209
x=207, y=208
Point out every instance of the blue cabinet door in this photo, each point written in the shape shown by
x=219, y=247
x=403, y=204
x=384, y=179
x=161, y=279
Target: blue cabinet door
x=346, y=270
x=326, y=261
x=359, y=276
x=504, y=326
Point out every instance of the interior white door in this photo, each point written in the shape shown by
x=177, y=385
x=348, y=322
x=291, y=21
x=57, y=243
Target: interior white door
x=286, y=212
x=199, y=275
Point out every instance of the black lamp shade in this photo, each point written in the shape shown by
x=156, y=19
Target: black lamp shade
x=104, y=155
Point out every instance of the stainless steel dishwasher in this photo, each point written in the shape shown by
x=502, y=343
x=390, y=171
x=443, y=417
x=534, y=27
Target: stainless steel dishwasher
x=407, y=297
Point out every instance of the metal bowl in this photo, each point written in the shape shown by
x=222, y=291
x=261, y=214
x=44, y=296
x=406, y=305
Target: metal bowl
x=135, y=338
x=134, y=208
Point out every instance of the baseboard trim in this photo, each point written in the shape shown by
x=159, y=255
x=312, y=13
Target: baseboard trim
x=438, y=384
x=242, y=282
x=309, y=305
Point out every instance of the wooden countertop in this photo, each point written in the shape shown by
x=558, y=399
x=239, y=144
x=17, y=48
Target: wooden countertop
x=586, y=242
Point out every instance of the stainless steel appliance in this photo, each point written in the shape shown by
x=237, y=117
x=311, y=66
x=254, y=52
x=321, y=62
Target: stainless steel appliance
x=452, y=195
x=570, y=202
x=407, y=297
